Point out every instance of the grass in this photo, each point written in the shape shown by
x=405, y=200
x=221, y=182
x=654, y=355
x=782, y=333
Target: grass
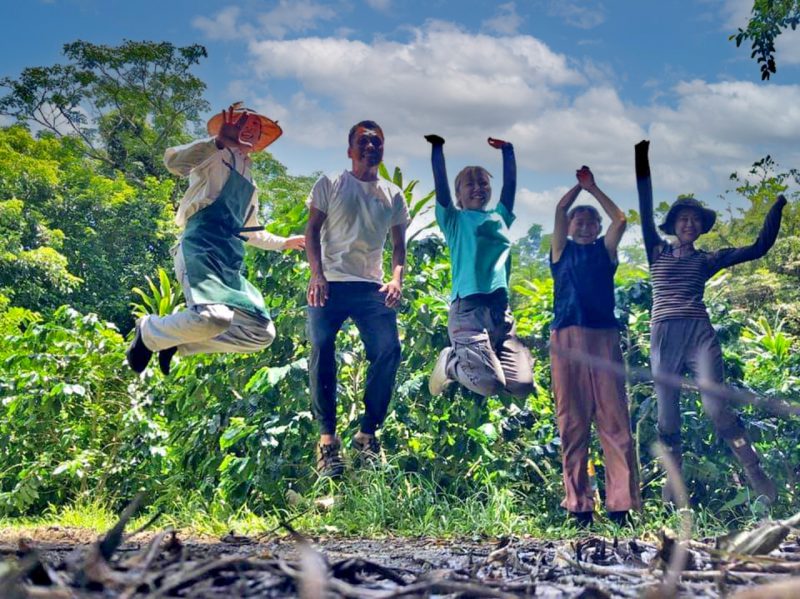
x=387, y=501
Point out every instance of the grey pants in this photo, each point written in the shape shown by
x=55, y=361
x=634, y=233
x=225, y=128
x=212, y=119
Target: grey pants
x=487, y=357
x=683, y=344
x=207, y=328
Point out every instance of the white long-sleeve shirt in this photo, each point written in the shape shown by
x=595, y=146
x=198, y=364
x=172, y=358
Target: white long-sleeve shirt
x=205, y=166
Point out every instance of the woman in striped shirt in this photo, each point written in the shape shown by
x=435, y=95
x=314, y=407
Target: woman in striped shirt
x=681, y=335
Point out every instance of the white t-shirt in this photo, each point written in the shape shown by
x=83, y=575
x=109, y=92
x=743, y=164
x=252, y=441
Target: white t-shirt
x=359, y=215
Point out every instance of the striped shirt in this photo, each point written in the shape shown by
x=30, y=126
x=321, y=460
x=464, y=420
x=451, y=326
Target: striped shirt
x=679, y=285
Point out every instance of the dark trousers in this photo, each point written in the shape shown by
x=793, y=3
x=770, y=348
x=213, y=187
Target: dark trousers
x=377, y=325
x=691, y=344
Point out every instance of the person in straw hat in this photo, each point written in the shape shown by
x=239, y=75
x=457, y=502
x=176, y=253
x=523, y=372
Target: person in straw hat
x=681, y=335
x=219, y=215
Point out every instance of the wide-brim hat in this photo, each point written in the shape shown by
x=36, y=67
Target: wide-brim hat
x=270, y=130
x=707, y=216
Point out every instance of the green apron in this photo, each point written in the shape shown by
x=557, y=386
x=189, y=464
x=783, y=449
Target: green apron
x=213, y=250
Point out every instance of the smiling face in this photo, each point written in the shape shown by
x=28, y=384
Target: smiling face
x=251, y=130
x=584, y=226
x=366, y=148
x=473, y=188
x=688, y=225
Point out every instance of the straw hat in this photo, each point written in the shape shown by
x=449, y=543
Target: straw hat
x=270, y=131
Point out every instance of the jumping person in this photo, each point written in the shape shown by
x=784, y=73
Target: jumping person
x=584, y=326
x=349, y=219
x=485, y=356
x=681, y=335
x=218, y=214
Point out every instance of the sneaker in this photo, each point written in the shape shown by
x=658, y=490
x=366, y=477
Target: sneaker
x=329, y=460
x=137, y=354
x=164, y=359
x=438, y=381
x=368, y=451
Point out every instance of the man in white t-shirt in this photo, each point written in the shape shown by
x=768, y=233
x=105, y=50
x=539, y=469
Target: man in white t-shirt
x=349, y=219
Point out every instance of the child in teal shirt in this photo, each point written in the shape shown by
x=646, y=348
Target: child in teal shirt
x=485, y=356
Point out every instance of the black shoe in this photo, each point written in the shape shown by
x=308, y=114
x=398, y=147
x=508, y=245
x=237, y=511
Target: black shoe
x=138, y=355
x=329, y=460
x=164, y=359
x=368, y=452
x=582, y=519
x=621, y=518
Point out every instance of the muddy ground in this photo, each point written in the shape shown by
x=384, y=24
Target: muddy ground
x=59, y=562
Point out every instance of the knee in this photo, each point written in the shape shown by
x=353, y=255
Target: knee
x=389, y=353
x=520, y=389
x=216, y=316
x=264, y=336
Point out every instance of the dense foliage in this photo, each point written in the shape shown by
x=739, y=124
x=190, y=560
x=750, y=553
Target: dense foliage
x=75, y=424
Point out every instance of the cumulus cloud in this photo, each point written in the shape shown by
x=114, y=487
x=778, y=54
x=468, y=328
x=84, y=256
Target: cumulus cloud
x=506, y=21
x=557, y=112
x=441, y=77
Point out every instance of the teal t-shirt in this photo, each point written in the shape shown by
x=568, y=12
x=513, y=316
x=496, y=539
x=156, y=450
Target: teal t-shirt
x=479, y=248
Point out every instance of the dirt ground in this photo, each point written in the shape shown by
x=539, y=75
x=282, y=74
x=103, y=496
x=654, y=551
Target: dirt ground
x=58, y=562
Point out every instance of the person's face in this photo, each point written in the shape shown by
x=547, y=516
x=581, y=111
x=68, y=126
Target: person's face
x=251, y=130
x=475, y=191
x=367, y=148
x=584, y=228
x=688, y=225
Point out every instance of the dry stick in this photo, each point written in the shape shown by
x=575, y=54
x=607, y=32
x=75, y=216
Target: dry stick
x=147, y=557
x=677, y=560
x=284, y=524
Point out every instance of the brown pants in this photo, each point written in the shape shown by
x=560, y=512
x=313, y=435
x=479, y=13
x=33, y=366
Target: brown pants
x=586, y=393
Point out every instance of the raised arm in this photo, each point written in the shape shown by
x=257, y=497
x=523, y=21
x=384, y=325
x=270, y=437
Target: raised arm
x=509, y=190
x=561, y=226
x=440, y=183
x=766, y=239
x=180, y=160
x=652, y=241
x=617, y=216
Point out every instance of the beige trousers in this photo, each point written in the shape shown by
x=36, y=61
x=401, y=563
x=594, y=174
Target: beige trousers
x=207, y=328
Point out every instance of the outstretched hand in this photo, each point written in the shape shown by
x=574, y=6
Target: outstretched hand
x=585, y=177
x=295, y=242
x=435, y=140
x=232, y=125
x=498, y=143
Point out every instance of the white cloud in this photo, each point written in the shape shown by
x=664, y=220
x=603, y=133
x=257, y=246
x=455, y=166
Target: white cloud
x=585, y=15
x=506, y=21
x=291, y=16
x=287, y=16
x=467, y=86
x=223, y=26
x=735, y=14
x=535, y=207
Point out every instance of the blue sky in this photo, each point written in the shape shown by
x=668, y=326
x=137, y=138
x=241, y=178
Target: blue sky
x=569, y=83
